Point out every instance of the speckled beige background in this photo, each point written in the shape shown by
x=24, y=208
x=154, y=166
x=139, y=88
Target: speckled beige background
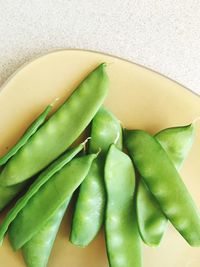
x=163, y=35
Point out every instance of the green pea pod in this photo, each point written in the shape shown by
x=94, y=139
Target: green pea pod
x=122, y=235
x=163, y=180
x=37, y=250
x=106, y=130
x=52, y=195
x=29, y=132
x=9, y=192
x=177, y=142
x=152, y=222
x=37, y=184
x=60, y=131
x=89, y=210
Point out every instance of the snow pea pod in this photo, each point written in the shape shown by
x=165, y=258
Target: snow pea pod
x=177, y=142
x=89, y=211
x=106, y=130
x=122, y=235
x=43, y=205
x=37, y=250
x=29, y=132
x=39, y=182
x=60, y=131
x=152, y=222
x=163, y=180
x=9, y=192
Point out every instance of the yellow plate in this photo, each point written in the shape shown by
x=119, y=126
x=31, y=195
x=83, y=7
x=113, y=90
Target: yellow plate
x=140, y=98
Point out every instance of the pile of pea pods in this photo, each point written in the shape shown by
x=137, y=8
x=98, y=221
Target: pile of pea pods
x=132, y=209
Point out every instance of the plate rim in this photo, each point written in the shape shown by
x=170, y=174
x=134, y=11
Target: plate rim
x=53, y=51
x=92, y=54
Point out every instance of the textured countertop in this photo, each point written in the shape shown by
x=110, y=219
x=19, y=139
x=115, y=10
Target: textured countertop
x=163, y=35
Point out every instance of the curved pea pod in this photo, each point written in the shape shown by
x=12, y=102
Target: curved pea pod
x=60, y=131
x=9, y=192
x=122, y=235
x=52, y=195
x=90, y=206
x=177, y=142
x=163, y=180
x=37, y=250
x=29, y=132
x=37, y=184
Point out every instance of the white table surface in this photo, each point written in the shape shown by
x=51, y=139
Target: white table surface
x=163, y=35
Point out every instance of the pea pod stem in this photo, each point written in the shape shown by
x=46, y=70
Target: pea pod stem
x=177, y=142
x=176, y=204
x=37, y=184
x=61, y=186
x=90, y=206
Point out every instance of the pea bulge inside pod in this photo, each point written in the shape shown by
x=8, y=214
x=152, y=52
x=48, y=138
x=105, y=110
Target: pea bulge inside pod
x=60, y=131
